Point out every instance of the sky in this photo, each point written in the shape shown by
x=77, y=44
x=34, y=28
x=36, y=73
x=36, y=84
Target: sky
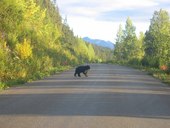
x=100, y=19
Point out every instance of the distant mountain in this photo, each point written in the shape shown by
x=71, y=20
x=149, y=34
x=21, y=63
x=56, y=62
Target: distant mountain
x=99, y=42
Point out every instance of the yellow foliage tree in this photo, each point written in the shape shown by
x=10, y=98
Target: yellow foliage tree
x=24, y=50
x=91, y=52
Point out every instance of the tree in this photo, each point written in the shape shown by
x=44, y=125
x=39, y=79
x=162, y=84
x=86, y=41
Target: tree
x=157, y=41
x=91, y=52
x=129, y=41
x=34, y=41
x=125, y=49
x=128, y=48
x=140, y=46
x=118, y=44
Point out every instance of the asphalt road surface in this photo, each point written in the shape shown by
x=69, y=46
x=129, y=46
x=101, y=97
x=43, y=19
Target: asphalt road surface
x=111, y=97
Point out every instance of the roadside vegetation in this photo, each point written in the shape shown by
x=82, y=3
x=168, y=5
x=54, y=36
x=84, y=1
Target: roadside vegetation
x=35, y=41
x=149, y=51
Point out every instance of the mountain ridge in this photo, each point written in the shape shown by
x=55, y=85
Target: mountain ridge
x=103, y=43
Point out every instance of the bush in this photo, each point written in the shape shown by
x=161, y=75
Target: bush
x=24, y=49
x=168, y=68
x=2, y=86
x=135, y=61
x=150, y=61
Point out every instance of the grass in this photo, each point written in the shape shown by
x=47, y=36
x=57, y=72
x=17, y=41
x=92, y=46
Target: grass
x=164, y=76
x=36, y=76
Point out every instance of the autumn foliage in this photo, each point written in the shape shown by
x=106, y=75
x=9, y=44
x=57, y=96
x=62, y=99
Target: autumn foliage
x=164, y=68
x=34, y=41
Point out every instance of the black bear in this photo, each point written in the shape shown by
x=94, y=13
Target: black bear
x=82, y=69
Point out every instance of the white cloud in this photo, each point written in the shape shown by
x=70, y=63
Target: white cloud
x=75, y=7
x=165, y=1
x=96, y=18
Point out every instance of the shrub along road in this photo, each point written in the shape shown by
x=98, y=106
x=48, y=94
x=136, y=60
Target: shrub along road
x=111, y=97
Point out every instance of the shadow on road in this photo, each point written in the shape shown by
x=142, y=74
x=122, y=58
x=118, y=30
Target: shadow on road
x=117, y=92
x=89, y=104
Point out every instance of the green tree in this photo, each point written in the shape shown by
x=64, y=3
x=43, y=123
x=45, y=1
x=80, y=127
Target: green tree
x=157, y=41
x=128, y=48
x=140, y=46
x=119, y=44
x=81, y=50
x=125, y=49
x=129, y=41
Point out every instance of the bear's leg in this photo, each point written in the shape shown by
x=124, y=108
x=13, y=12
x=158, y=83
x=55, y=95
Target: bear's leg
x=79, y=74
x=85, y=73
x=75, y=74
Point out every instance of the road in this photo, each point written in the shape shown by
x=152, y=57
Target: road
x=111, y=97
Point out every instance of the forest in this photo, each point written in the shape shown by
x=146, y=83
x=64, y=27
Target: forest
x=151, y=49
x=35, y=41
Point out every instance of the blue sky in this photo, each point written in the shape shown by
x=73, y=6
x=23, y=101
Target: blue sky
x=100, y=19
